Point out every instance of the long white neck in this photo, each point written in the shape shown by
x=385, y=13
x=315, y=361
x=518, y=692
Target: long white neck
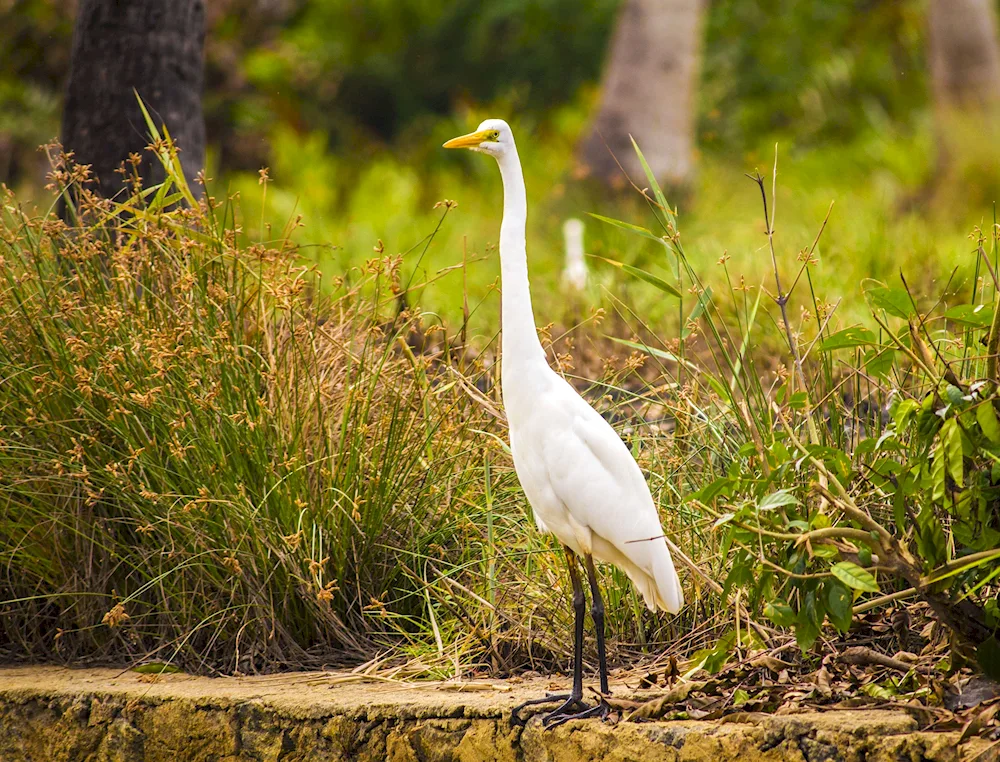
x=520, y=345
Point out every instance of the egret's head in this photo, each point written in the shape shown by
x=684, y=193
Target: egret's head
x=492, y=136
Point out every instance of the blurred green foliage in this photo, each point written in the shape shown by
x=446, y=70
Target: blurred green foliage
x=819, y=69
x=358, y=71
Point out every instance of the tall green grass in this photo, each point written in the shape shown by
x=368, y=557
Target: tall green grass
x=217, y=453
x=215, y=456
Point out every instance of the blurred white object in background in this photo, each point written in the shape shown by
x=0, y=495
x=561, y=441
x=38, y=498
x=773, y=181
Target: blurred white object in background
x=574, y=274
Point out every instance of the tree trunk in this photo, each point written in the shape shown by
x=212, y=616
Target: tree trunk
x=154, y=47
x=964, y=54
x=648, y=91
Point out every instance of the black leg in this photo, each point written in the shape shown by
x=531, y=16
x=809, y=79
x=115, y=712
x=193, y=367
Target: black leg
x=597, y=612
x=573, y=699
x=603, y=709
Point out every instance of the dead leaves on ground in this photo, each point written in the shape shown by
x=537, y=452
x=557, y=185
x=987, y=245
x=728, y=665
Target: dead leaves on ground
x=864, y=670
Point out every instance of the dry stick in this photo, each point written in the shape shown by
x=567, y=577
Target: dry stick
x=812, y=249
x=874, y=603
x=905, y=349
x=819, y=333
x=865, y=657
x=782, y=298
x=949, y=374
x=993, y=344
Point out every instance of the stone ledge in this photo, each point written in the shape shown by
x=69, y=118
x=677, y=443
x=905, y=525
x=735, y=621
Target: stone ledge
x=52, y=714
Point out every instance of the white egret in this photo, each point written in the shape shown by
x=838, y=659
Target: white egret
x=579, y=477
x=574, y=274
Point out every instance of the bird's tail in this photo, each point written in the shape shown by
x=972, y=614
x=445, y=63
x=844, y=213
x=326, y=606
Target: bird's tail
x=668, y=595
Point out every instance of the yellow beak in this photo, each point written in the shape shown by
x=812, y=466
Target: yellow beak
x=472, y=140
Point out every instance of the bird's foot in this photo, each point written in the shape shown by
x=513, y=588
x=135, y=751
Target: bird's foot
x=563, y=715
x=565, y=711
x=569, y=701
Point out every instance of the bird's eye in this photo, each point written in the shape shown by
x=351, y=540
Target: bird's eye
x=495, y=135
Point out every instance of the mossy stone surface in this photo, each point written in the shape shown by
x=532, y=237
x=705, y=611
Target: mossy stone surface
x=50, y=714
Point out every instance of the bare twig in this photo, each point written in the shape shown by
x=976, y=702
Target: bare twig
x=865, y=657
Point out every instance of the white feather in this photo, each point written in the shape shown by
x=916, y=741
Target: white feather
x=582, y=482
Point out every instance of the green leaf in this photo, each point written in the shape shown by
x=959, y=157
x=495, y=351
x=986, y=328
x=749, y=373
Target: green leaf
x=628, y=226
x=854, y=576
x=740, y=697
x=975, y=315
x=808, y=622
x=895, y=301
x=839, y=603
x=777, y=499
x=825, y=551
x=950, y=437
x=660, y=353
x=904, y=411
x=651, y=179
x=722, y=485
x=878, y=361
x=653, y=280
x=954, y=395
x=724, y=519
x=931, y=542
x=780, y=613
x=849, y=337
x=878, y=691
x=865, y=555
x=988, y=657
x=987, y=419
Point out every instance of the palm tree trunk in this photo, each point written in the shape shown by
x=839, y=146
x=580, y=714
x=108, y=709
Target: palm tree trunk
x=648, y=91
x=155, y=48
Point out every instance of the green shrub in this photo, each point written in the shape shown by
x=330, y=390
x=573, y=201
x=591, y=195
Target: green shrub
x=869, y=471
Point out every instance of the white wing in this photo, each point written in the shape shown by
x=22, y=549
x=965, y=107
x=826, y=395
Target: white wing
x=587, y=489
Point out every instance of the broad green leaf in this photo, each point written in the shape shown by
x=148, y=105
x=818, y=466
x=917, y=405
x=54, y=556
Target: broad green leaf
x=988, y=657
x=839, y=604
x=865, y=555
x=798, y=401
x=987, y=419
x=777, y=499
x=780, y=613
x=975, y=315
x=740, y=697
x=931, y=542
x=895, y=301
x=878, y=361
x=878, y=691
x=628, y=226
x=808, y=622
x=854, y=576
x=904, y=411
x=939, y=472
x=951, y=440
x=849, y=337
x=954, y=395
x=713, y=489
